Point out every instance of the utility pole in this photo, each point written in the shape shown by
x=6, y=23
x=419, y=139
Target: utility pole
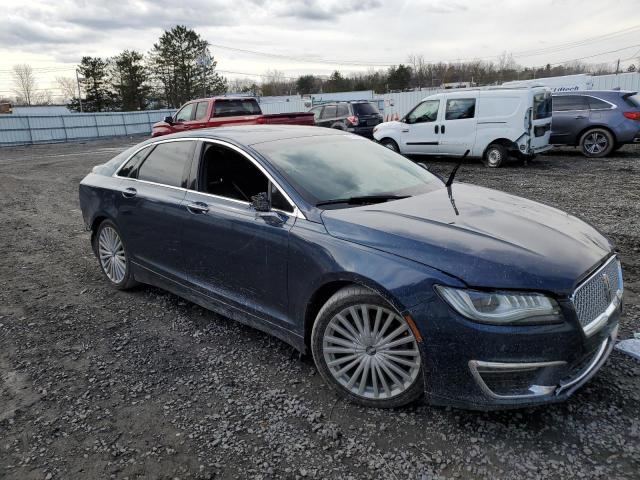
x=618, y=66
x=79, y=91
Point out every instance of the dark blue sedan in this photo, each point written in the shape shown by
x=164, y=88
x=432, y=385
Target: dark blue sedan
x=399, y=284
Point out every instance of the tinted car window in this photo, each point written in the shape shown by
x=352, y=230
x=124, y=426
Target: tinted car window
x=566, y=103
x=364, y=109
x=316, y=112
x=130, y=169
x=424, y=112
x=166, y=163
x=632, y=100
x=597, y=104
x=229, y=174
x=348, y=167
x=329, y=111
x=233, y=108
x=542, y=105
x=278, y=201
x=184, y=115
x=343, y=110
x=201, y=110
x=458, y=109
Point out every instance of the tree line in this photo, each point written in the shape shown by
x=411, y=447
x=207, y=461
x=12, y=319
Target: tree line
x=180, y=67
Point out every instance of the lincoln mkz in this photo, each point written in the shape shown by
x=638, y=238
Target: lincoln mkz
x=399, y=283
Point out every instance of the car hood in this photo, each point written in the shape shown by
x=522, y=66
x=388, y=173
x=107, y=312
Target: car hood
x=496, y=241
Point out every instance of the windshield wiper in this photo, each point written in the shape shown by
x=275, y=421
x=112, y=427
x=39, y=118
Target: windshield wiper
x=362, y=200
x=449, y=181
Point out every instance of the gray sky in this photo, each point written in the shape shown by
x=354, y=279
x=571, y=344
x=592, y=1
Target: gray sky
x=52, y=36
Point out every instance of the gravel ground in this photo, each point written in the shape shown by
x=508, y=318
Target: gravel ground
x=98, y=383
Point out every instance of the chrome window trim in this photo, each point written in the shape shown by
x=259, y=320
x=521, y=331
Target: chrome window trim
x=296, y=210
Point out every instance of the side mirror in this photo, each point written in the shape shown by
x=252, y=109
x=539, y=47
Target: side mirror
x=260, y=202
x=168, y=120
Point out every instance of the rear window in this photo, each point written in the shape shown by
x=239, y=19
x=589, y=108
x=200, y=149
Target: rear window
x=632, y=100
x=542, y=105
x=166, y=163
x=234, y=108
x=364, y=109
x=460, y=108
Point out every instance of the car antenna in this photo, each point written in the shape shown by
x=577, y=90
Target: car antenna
x=450, y=181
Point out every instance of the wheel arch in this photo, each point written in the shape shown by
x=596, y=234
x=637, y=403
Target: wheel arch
x=505, y=142
x=326, y=290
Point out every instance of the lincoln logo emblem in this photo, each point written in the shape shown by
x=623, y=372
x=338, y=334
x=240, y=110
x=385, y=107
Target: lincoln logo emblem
x=607, y=286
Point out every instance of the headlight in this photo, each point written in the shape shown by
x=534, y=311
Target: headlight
x=501, y=308
x=375, y=129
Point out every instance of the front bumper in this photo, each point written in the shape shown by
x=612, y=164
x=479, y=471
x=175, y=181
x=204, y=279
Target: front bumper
x=487, y=367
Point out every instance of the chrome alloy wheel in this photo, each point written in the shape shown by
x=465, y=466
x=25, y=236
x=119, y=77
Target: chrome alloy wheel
x=595, y=143
x=371, y=351
x=112, y=255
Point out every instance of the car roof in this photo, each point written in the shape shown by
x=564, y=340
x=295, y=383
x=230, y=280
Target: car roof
x=253, y=134
x=596, y=92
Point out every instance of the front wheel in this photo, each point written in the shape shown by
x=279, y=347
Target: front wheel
x=366, y=350
x=390, y=144
x=596, y=143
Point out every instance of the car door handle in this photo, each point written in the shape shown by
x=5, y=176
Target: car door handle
x=129, y=192
x=198, y=207
x=442, y=129
x=580, y=117
x=405, y=130
x=437, y=128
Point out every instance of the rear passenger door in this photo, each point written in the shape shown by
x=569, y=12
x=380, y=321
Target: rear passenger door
x=570, y=117
x=457, y=126
x=150, y=211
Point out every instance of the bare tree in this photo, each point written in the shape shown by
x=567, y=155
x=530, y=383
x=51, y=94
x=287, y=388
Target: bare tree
x=68, y=87
x=43, y=97
x=24, y=83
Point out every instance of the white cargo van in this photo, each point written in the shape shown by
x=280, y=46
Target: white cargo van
x=492, y=123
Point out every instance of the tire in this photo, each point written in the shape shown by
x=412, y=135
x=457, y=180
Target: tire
x=112, y=256
x=390, y=144
x=495, y=155
x=343, y=362
x=596, y=143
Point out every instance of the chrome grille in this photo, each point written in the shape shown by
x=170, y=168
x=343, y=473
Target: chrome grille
x=597, y=292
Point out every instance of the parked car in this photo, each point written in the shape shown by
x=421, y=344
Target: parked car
x=397, y=282
x=599, y=122
x=219, y=111
x=356, y=117
x=492, y=123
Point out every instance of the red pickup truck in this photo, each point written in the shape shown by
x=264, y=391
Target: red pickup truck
x=219, y=111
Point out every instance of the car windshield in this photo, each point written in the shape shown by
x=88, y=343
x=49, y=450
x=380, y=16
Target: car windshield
x=327, y=168
x=364, y=109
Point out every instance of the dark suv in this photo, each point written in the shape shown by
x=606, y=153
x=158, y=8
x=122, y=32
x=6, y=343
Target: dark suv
x=355, y=117
x=599, y=122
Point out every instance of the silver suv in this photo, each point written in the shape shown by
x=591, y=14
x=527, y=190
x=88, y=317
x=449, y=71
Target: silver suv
x=599, y=122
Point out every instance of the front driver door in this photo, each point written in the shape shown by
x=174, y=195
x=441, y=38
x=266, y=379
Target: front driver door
x=233, y=253
x=420, y=132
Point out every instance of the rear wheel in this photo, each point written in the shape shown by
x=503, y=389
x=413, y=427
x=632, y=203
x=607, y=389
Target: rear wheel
x=366, y=350
x=113, y=257
x=596, y=143
x=495, y=155
x=390, y=144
